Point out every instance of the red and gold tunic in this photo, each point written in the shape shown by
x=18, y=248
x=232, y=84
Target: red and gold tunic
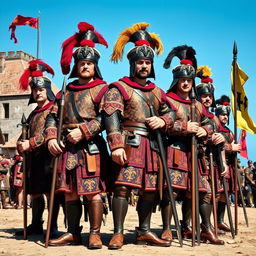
x=39, y=158
x=83, y=164
x=126, y=110
x=179, y=144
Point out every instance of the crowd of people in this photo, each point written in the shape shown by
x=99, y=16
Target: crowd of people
x=160, y=146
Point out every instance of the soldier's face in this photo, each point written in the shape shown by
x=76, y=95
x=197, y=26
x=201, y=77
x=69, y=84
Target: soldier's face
x=206, y=100
x=223, y=118
x=85, y=69
x=40, y=95
x=143, y=68
x=184, y=85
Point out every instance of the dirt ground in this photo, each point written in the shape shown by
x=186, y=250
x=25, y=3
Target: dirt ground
x=11, y=220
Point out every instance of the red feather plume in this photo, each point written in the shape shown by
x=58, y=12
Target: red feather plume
x=69, y=44
x=31, y=71
x=101, y=39
x=83, y=26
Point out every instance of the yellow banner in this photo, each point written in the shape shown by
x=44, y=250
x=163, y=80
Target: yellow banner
x=244, y=121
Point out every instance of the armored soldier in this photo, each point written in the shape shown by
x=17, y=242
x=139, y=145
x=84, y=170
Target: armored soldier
x=205, y=93
x=38, y=156
x=83, y=159
x=179, y=144
x=222, y=111
x=129, y=126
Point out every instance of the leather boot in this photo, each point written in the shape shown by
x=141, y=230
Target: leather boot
x=186, y=230
x=95, y=218
x=119, y=209
x=220, y=217
x=55, y=212
x=166, y=212
x=205, y=210
x=143, y=234
x=208, y=235
x=36, y=227
x=73, y=236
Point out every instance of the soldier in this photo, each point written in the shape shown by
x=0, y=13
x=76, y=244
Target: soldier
x=129, y=125
x=222, y=111
x=83, y=159
x=38, y=157
x=205, y=94
x=249, y=183
x=179, y=144
x=4, y=183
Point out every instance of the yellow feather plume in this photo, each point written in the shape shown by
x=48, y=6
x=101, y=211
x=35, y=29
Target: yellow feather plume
x=124, y=39
x=157, y=43
x=205, y=70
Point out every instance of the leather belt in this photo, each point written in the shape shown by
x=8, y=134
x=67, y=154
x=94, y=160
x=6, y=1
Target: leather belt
x=133, y=128
x=132, y=131
x=134, y=124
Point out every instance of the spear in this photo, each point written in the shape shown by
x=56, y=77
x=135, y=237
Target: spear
x=237, y=180
x=194, y=173
x=235, y=130
x=24, y=137
x=55, y=164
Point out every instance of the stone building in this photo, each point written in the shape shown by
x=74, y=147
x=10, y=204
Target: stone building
x=13, y=101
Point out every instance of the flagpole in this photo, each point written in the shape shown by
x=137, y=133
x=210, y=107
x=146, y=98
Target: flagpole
x=38, y=36
x=235, y=131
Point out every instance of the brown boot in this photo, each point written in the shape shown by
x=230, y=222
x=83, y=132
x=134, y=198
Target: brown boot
x=223, y=226
x=150, y=238
x=66, y=239
x=186, y=231
x=95, y=217
x=208, y=235
x=116, y=241
x=166, y=212
x=167, y=235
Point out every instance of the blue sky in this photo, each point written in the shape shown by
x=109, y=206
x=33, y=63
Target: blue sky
x=209, y=26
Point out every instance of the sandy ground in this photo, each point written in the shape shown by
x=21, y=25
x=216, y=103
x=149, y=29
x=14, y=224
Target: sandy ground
x=11, y=220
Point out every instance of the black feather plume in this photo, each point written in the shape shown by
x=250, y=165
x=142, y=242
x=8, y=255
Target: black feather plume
x=182, y=52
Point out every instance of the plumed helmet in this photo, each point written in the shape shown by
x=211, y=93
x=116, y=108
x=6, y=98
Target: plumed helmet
x=145, y=45
x=188, y=64
x=34, y=77
x=85, y=40
x=223, y=106
x=206, y=86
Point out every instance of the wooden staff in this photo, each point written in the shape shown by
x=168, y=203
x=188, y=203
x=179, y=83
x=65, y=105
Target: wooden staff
x=214, y=206
x=194, y=172
x=55, y=165
x=24, y=167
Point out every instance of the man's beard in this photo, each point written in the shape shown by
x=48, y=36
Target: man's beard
x=138, y=75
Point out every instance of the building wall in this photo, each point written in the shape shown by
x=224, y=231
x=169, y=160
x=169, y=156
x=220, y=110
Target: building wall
x=17, y=106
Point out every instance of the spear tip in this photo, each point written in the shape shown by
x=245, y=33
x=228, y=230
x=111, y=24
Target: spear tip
x=23, y=119
x=235, y=48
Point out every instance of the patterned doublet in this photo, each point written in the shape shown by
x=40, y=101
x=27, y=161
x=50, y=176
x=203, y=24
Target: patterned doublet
x=78, y=165
x=179, y=145
x=143, y=163
x=84, y=102
x=36, y=125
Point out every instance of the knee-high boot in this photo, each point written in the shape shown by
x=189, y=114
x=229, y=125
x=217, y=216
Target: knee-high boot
x=186, y=217
x=119, y=210
x=205, y=210
x=166, y=212
x=73, y=215
x=220, y=217
x=95, y=218
x=143, y=234
x=36, y=226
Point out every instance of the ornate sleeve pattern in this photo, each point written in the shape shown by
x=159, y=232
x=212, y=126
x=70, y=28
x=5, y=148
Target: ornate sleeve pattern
x=51, y=124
